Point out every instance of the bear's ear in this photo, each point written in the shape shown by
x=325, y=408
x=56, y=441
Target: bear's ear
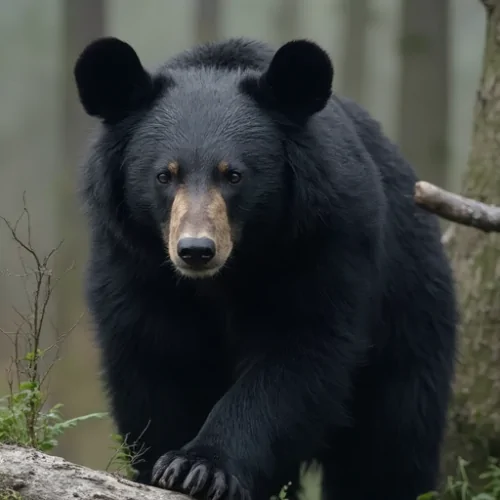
x=298, y=80
x=111, y=80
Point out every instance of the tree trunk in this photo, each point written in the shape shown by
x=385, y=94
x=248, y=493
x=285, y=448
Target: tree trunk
x=353, y=67
x=474, y=427
x=207, y=20
x=82, y=21
x=423, y=108
x=286, y=20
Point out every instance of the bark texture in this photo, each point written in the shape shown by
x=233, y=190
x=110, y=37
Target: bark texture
x=474, y=431
x=31, y=475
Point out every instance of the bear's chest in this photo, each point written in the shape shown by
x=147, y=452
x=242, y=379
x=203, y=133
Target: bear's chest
x=231, y=320
x=222, y=305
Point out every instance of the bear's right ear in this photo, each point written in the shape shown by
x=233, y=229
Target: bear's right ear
x=111, y=80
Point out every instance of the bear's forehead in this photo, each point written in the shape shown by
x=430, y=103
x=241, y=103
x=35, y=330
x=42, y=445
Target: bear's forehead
x=204, y=94
x=203, y=118
x=202, y=107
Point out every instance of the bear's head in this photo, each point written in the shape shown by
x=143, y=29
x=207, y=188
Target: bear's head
x=200, y=151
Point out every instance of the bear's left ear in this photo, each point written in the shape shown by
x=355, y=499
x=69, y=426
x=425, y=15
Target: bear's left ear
x=111, y=80
x=297, y=82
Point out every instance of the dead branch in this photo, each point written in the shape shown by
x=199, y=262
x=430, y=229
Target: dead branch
x=35, y=475
x=456, y=208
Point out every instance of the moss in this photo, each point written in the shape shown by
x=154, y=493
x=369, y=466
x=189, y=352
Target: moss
x=7, y=489
x=11, y=489
x=10, y=495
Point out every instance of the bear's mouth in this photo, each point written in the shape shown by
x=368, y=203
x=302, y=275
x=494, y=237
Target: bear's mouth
x=197, y=272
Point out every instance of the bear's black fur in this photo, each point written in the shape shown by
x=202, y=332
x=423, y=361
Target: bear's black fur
x=324, y=331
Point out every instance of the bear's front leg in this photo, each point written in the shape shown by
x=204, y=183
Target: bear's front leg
x=275, y=416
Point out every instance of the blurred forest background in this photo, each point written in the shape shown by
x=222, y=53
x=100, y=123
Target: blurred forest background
x=414, y=64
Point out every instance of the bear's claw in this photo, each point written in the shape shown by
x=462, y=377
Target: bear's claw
x=194, y=476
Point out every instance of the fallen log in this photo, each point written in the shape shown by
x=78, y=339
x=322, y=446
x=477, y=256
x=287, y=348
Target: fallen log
x=29, y=474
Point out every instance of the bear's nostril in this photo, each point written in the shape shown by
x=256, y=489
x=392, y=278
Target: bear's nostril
x=196, y=251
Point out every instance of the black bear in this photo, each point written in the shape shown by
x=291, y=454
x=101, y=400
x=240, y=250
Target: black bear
x=265, y=291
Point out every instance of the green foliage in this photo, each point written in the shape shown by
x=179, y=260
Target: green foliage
x=126, y=455
x=283, y=492
x=431, y=495
x=123, y=458
x=459, y=487
x=23, y=421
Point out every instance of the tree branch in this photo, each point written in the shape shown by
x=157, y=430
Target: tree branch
x=37, y=476
x=456, y=208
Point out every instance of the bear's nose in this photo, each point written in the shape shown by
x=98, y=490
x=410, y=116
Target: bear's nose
x=196, y=251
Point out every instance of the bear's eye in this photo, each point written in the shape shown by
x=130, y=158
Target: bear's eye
x=233, y=177
x=163, y=178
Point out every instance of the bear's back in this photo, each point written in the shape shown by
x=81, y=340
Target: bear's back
x=415, y=265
